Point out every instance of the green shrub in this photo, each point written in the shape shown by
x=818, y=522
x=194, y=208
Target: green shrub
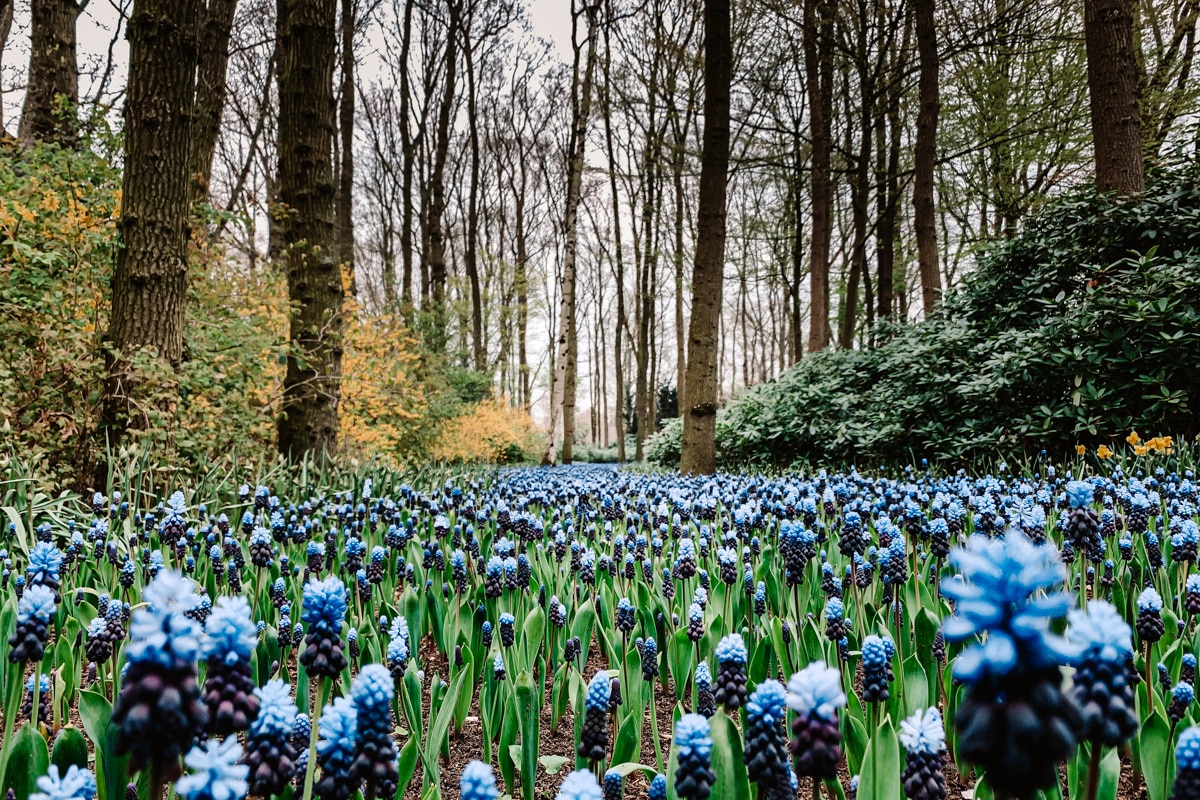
x=1080, y=329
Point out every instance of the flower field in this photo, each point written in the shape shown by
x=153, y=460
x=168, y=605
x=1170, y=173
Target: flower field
x=587, y=633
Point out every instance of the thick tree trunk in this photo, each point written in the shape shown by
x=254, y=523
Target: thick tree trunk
x=1113, y=86
x=677, y=159
x=408, y=154
x=53, y=73
x=470, y=256
x=564, y=385
x=699, y=423
x=925, y=155
x=307, y=38
x=149, y=285
x=345, y=186
x=818, y=69
x=210, y=93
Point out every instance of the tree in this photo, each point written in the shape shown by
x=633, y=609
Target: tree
x=700, y=394
x=210, y=92
x=925, y=155
x=53, y=73
x=6, y=19
x=149, y=284
x=1113, y=89
x=344, y=193
x=564, y=380
x=305, y=46
x=818, y=69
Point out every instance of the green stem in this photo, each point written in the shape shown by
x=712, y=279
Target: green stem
x=311, y=772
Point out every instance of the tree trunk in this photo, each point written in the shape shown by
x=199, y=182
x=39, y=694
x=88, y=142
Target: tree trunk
x=1113, y=86
x=53, y=73
x=408, y=154
x=618, y=256
x=565, y=369
x=818, y=68
x=699, y=425
x=345, y=186
x=470, y=256
x=925, y=155
x=437, y=191
x=305, y=47
x=6, y=18
x=149, y=285
x=210, y=93
x=677, y=159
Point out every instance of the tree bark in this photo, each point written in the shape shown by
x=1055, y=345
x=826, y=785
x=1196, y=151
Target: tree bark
x=1113, y=87
x=618, y=251
x=565, y=369
x=305, y=47
x=149, y=285
x=470, y=255
x=53, y=74
x=437, y=190
x=925, y=155
x=699, y=425
x=6, y=18
x=408, y=154
x=818, y=68
x=345, y=186
x=210, y=93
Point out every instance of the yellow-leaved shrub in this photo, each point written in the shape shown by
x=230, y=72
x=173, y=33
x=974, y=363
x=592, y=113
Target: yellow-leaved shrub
x=491, y=431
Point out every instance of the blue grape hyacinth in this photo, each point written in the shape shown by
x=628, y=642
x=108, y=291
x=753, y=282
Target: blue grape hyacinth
x=76, y=784
x=215, y=772
x=658, y=788
x=1014, y=720
x=765, y=753
x=336, y=751
x=230, y=637
x=815, y=694
x=375, y=758
x=35, y=611
x=875, y=660
x=271, y=754
x=159, y=710
x=693, y=772
x=731, y=672
x=924, y=740
x=478, y=782
x=593, y=739
x=1187, y=762
x=324, y=611
x=1101, y=687
x=45, y=563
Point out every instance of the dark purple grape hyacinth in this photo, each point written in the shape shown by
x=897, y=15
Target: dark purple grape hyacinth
x=593, y=739
x=324, y=611
x=229, y=641
x=924, y=741
x=270, y=752
x=1101, y=687
x=694, y=776
x=731, y=672
x=765, y=752
x=815, y=695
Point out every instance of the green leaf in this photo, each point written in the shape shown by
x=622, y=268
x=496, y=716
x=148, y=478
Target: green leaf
x=880, y=776
x=628, y=768
x=1156, y=752
x=69, y=748
x=732, y=782
x=553, y=764
x=96, y=714
x=629, y=737
x=1110, y=775
x=530, y=719
x=407, y=764
x=28, y=760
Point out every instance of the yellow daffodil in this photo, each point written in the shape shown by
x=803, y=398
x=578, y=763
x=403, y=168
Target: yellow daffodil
x=1134, y=439
x=1080, y=450
x=1103, y=451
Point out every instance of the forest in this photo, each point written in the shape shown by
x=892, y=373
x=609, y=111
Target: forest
x=475, y=231
x=592, y=399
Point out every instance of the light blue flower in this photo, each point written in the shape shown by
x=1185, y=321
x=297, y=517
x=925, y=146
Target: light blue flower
x=1187, y=750
x=372, y=691
x=230, y=634
x=658, y=788
x=478, y=782
x=216, y=773
x=324, y=606
x=1183, y=693
x=276, y=711
x=1006, y=593
x=732, y=649
x=816, y=689
x=767, y=703
x=77, y=784
x=599, y=691
x=160, y=632
x=37, y=604
x=923, y=732
x=45, y=562
x=703, y=676
x=1100, y=632
x=1079, y=494
x=874, y=653
x=834, y=609
x=580, y=785
x=695, y=613
x=693, y=736
x=1149, y=600
x=338, y=731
